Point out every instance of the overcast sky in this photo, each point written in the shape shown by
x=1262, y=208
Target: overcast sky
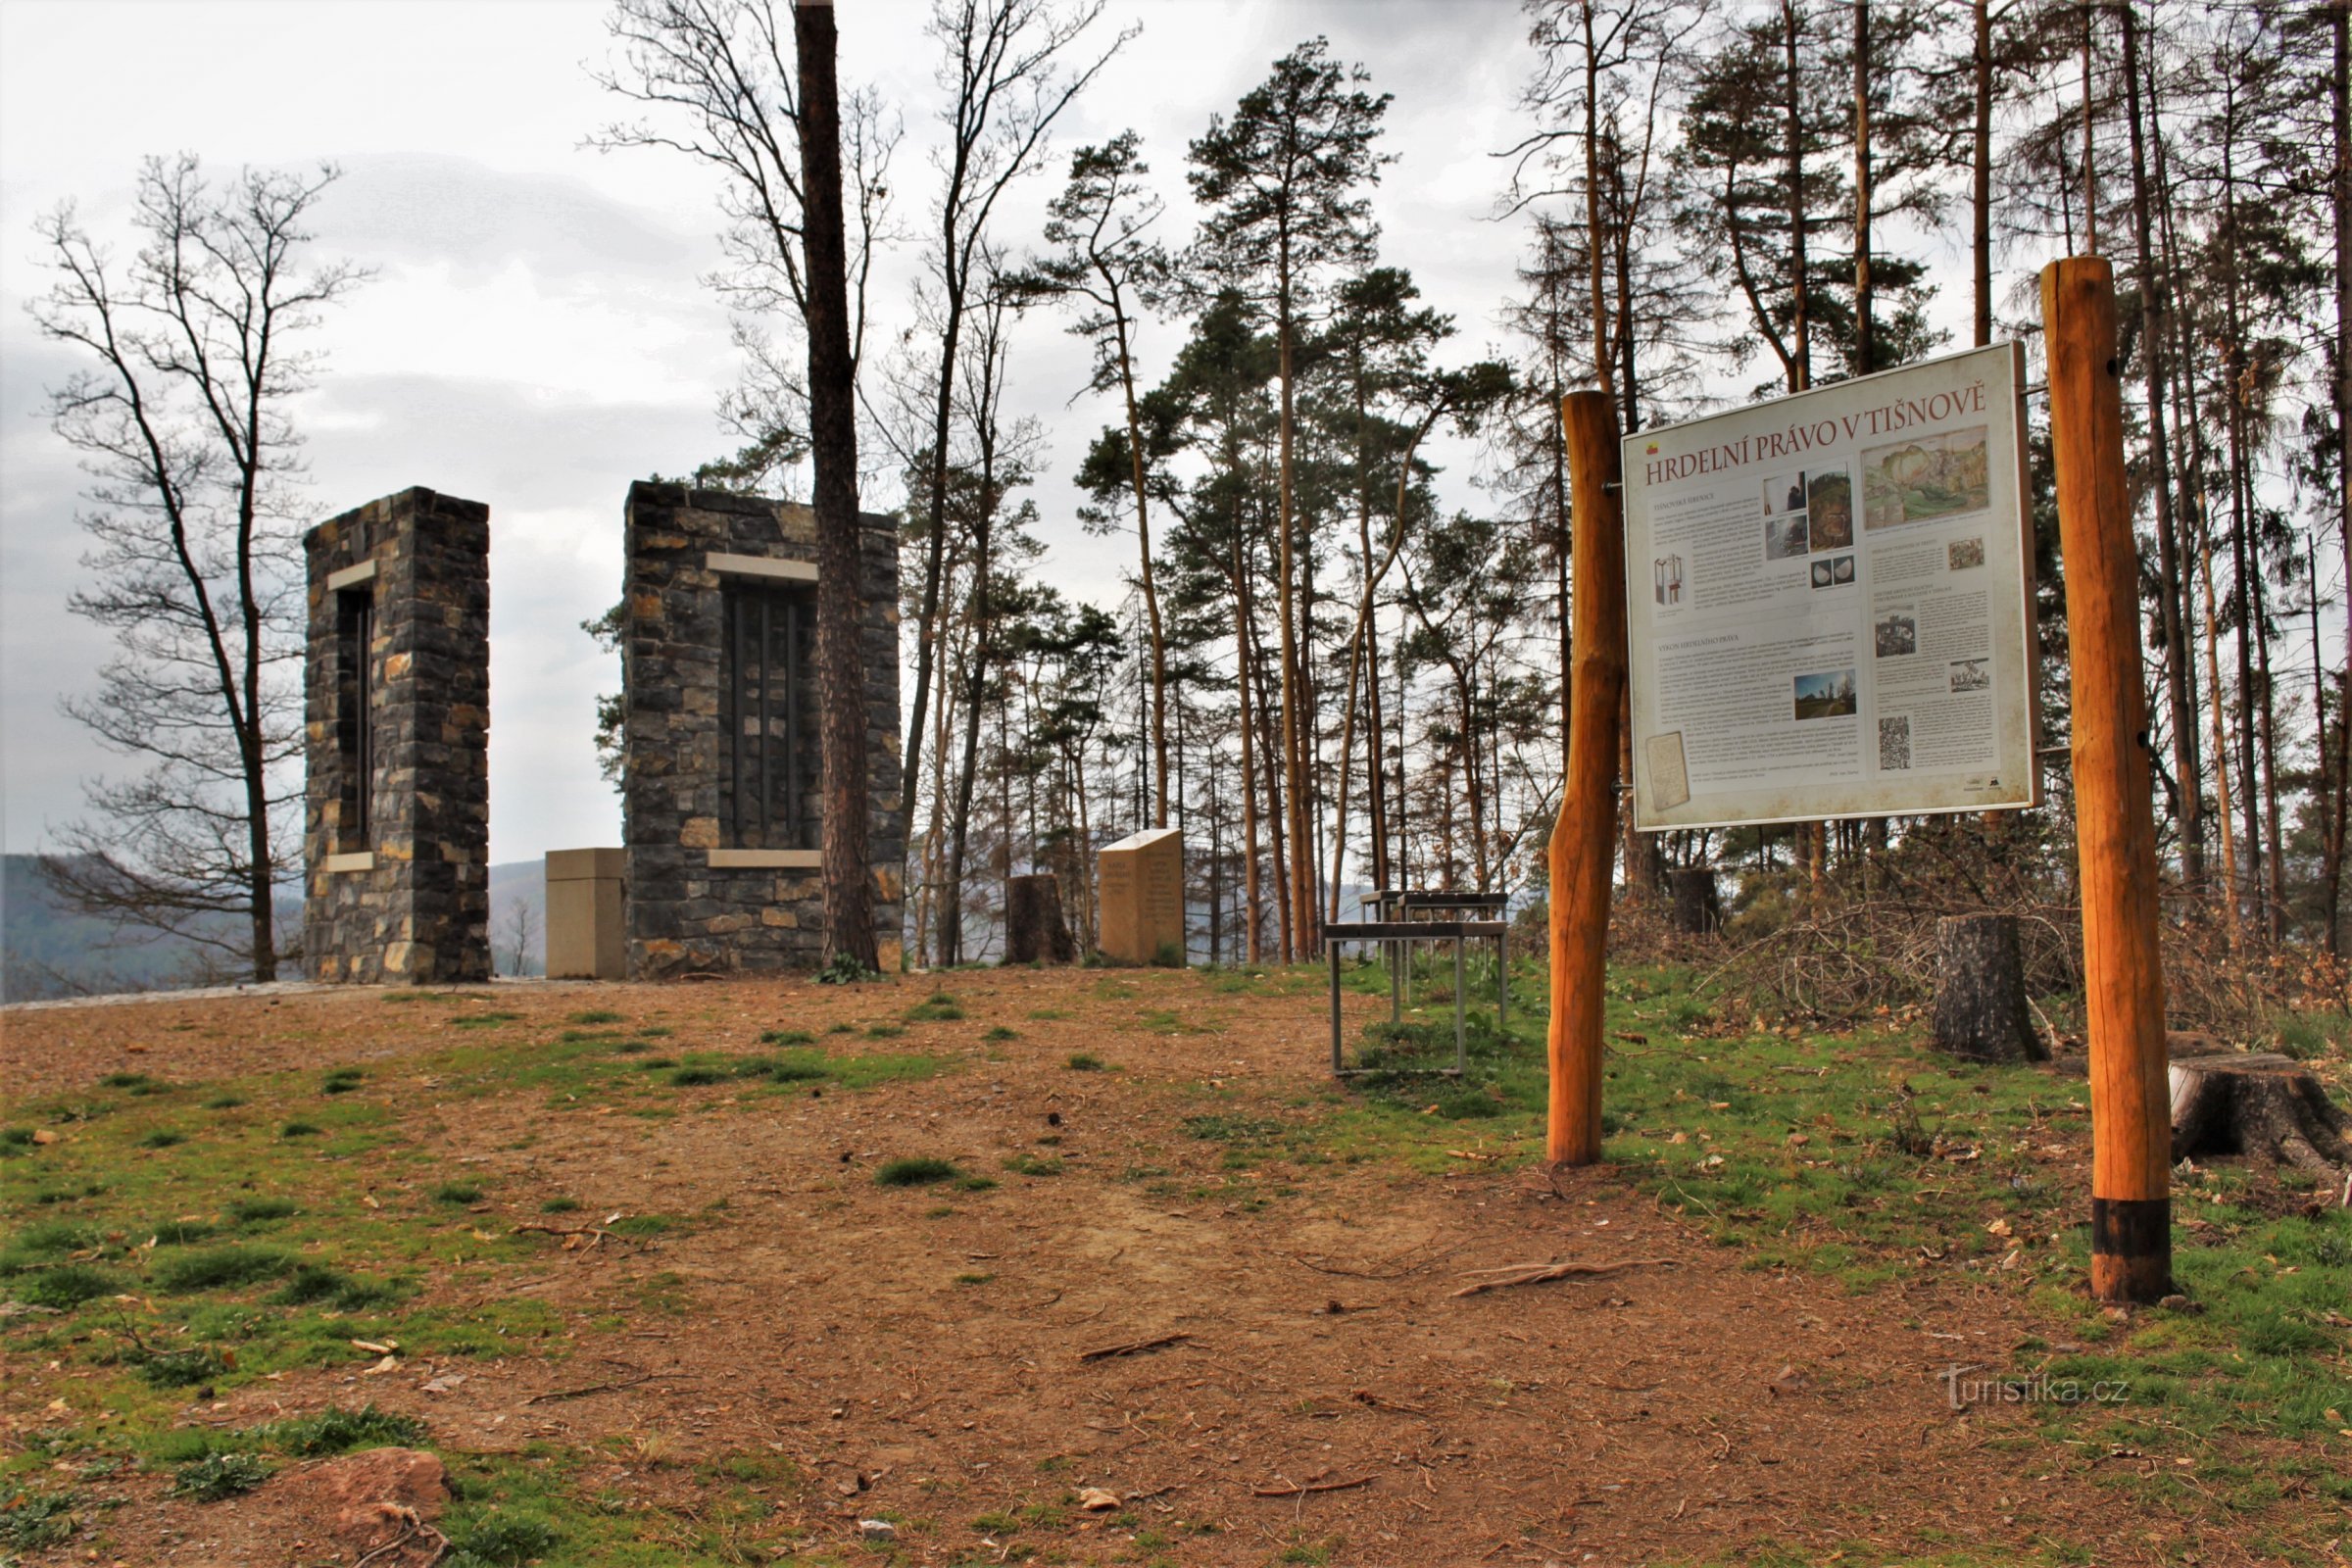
x=538, y=335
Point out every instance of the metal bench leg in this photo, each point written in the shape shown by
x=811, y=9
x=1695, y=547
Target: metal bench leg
x=1333, y=948
x=1503, y=984
x=1461, y=1045
x=1395, y=951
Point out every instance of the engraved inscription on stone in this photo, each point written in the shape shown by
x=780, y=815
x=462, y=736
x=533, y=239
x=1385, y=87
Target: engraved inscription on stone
x=1142, y=888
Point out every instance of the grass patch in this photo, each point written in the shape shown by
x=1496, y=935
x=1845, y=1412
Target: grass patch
x=920, y=1170
x=335, y=1430
x=1000, y=1033
x=593, y=1015
x=318, y=1285
x=457, y=1194
x=263, y=1210
x=560, y=1206
x=224, y=1102
x=884, y=1031
x=300, y=1129
x=787, y=1037
x=484, y=1020
x=31, y=1520
x=219, y=1476
x=937, y=1008
x=693, y=1077
x=1033, y=1165
x=643, y=1225
x=1084, y=1061
x=507, y=1539
x=184, y=1369
x=63, y=1288
x=220, y=1268
x=163, y=1138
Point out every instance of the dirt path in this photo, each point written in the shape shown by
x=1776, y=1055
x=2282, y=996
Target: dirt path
x=935, y=1355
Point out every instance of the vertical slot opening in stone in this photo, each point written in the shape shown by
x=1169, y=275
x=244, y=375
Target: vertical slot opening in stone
x=767, y=719
x=355, y=719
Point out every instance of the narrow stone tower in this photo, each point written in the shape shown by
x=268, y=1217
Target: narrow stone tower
x=396, y=817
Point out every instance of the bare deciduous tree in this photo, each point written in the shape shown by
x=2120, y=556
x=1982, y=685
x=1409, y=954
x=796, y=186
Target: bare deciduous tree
x=720, y=76
x=1004, y=88
x=518, y=924
x=181, y=420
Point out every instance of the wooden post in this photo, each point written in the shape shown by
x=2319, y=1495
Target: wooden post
x=1584, y=841
x=2115, y=827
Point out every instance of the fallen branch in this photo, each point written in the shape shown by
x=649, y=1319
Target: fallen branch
x=554, y=1394
x=413, y=1529
x=596, y=1236
x=1367, y=1398
x=1301, y=1488
x=1541, y=1273
x=1133, y=1347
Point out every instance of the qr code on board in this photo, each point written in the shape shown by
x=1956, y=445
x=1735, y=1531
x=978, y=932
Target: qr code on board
x=1894, y=744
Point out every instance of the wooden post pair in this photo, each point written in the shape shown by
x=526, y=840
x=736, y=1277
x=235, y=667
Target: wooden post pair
x=2131, y=1208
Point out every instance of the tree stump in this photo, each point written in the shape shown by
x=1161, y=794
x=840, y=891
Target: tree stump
x=1981, y=1007
x=1695, y=901
x=2262, y=1104
x=1035, y=931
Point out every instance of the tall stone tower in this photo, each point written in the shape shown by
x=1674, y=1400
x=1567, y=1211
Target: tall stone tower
x=396, y=817
x=722, y=813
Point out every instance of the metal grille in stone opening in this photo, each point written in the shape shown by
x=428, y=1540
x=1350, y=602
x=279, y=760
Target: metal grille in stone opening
x=355, y=717
x=769, y=776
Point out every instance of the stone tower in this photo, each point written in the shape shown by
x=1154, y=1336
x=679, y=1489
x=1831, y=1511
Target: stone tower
x=721, y=782
x=396, y=820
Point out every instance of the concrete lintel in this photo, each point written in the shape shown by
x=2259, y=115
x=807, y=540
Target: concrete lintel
x=362, y=860
x=351, y=577
x=766, y=859
x=760, y=566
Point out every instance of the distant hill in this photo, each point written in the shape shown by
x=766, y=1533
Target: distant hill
x=46, y=950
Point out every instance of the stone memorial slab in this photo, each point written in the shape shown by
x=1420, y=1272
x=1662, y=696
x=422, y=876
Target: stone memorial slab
x=586, y=937
x=1142, y=893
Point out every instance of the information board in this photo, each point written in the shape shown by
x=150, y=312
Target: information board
x=1828, y=601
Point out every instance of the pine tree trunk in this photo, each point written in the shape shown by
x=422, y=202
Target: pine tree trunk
x=833, y=447
x=2188, y=780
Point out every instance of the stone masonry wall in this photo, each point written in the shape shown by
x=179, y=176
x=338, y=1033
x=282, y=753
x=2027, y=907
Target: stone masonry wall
x=687, y=910
x=410, y=903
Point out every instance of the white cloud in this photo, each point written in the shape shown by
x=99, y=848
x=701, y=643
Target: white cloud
x=538, y=335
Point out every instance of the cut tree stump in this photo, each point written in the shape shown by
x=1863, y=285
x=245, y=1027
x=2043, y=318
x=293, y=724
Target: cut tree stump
x=2263, y=1104
x=1981, y=1009
x=1695, y=901
x=1035, y=931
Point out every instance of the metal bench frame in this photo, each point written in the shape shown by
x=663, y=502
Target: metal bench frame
x=1400, y=937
